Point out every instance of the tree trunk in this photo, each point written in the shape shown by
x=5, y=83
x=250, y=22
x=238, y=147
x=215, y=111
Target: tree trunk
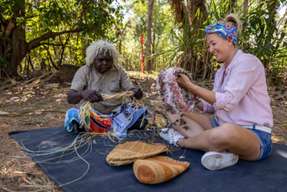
x=245, y=12
x=149, y=36
x=18, y=51
x=192, y=21
x=13, y=45
x=232, y=6
x=245, y=8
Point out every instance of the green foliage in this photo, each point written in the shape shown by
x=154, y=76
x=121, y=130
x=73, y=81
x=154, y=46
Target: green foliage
x=6, y=8
x=94, y=20
x=58, y=15
x=3, y=62
x=122, y=22
x=164, y=44
x=173, y=43
x=264, y=35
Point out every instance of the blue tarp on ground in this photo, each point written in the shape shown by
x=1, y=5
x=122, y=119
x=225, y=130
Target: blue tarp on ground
x=267, y=175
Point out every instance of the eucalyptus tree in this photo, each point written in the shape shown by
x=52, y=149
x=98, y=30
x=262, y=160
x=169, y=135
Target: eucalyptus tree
x=149, y=34
x=28, y=24
x=162, y=42
x=191, y=15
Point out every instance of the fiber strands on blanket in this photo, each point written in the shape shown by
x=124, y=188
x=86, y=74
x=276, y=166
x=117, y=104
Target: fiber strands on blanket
x=92, y=173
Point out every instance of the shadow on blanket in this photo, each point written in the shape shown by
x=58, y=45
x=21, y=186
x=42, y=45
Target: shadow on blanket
x=91, y=173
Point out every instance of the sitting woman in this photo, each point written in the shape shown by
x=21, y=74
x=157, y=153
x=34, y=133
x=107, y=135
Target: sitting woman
x=102, y=75
x=242, y=122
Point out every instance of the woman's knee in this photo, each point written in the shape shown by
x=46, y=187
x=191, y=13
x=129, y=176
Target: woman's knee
x=223, y=136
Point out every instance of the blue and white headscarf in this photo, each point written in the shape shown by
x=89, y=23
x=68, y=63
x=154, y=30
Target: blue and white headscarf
x=223, y=31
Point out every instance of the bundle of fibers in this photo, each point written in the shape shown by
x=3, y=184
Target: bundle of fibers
x=158, y=169
x=130, y=151
x=116, y=96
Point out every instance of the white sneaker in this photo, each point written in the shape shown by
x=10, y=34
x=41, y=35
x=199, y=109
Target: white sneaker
x=218, y=160
x=170, y=135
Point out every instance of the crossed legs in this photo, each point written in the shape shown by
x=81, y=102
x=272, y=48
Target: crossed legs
x=199, y=134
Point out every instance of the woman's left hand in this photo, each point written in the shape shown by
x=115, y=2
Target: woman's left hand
x=184, y=82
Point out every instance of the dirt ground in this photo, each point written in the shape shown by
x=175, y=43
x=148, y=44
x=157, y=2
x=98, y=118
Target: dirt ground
x=40, y=105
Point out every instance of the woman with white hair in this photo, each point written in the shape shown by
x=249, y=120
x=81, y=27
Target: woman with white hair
x=101, y=75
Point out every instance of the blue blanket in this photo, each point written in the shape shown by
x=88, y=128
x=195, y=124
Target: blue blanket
x=91, y=173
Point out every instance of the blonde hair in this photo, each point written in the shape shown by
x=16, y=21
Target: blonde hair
x=235, y=20
x=101, y=47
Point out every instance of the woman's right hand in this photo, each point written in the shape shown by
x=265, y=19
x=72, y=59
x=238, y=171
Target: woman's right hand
x=184, y=82
x=91, y=96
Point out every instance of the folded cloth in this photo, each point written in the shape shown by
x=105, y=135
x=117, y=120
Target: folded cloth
x=119, y=121
x=129, y=117
x=158, y=169
x=94, y=121
x=72, y=120
x=130, y=151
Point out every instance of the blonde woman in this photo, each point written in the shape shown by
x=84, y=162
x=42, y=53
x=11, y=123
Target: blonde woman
x=242, y=122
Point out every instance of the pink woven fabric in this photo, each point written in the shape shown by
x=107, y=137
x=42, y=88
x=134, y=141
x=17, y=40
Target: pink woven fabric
x=175, y=98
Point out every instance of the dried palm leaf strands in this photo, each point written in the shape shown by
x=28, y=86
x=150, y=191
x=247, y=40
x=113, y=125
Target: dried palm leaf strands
x=129, y=151
x=158, y=169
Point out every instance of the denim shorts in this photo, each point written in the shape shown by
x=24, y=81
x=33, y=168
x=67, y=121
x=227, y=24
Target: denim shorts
x=264, y=138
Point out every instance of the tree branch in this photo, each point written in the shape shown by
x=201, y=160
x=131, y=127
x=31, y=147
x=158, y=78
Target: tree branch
x=52, y=44
x=37, y=42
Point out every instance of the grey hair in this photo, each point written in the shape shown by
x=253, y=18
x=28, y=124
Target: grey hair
x=99, y=47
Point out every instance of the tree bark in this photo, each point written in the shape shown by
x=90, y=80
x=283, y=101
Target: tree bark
x=245, y=12
x=13, y=45
x=245, y=7
x=12, y=42
x=192, y=21
x=149, y=36
x=232, y=6
x=37, y=42
x=14, y=48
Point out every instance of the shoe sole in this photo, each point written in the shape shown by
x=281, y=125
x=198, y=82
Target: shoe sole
x=215, y=161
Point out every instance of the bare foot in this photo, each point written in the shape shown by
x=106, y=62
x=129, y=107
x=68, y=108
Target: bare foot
x=173, y=118
x=188, y=127
x=183, y=130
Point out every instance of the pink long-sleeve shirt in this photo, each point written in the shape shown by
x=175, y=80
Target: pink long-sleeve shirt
x=241, y=93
